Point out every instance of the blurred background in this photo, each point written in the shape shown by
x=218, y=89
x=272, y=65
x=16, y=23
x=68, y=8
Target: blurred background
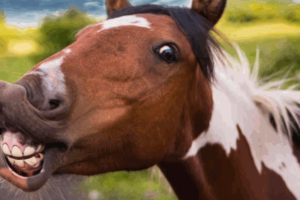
x=31, y=31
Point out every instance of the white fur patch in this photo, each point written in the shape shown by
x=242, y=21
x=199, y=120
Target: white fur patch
x=67, y=51
x=53, y=81
x=130, y=20
x=234, y=95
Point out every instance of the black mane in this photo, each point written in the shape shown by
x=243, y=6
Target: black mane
x=195, y=27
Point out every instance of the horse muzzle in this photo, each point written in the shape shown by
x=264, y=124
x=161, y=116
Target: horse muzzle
x=32, y=145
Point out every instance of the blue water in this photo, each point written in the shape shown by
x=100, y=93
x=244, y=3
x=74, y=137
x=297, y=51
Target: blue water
x=28, y=13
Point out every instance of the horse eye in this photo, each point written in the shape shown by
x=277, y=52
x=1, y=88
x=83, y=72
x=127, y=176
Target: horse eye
x=168, y=53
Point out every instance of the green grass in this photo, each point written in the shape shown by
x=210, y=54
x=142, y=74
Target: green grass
x=258, y=30
x=276, y=54
x=129, y=186
x=248, y=11
x=12, y=68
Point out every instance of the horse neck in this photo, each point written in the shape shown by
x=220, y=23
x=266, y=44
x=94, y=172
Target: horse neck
x=240, y=156
x=190, y=176
x=187, y=179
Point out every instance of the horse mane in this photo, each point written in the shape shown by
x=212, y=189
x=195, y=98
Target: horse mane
x=279, y=106
x=195, y=27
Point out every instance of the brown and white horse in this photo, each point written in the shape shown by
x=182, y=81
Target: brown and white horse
x=148, y=87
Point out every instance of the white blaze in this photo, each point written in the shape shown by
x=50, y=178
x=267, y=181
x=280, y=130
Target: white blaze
x=67, y=51
x=53, y=79
x=130, y=20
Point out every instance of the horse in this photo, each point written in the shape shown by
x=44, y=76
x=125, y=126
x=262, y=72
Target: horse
x=150, y=86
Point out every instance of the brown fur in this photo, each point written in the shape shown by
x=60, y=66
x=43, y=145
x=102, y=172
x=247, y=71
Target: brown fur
x=211, y=10
x=115, y=5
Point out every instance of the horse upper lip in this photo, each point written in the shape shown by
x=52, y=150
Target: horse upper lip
x=15, y=109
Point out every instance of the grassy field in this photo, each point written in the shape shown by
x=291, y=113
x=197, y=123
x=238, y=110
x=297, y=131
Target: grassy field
x=272, y=27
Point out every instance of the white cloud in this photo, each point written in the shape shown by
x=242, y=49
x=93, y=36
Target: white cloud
x=190, y=4
x=22, y=25
x=29, y=19
x=56, y=13
x=160, y=2
x=59, y=12
x=98, y=17
x=91, y=4
x=163, y=2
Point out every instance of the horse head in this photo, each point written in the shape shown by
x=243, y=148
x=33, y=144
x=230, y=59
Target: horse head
x=131, y=92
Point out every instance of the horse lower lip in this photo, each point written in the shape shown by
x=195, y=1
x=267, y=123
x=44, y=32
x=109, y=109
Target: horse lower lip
x=25, y=167
x=51, y=162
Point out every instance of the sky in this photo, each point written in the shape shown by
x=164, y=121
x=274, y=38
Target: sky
x=29, y=13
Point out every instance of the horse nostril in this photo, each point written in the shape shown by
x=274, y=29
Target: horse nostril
x=54, y=104
x=56, y=109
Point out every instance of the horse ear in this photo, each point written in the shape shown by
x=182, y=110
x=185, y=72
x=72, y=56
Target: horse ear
x=212, y=10
x=115, y=5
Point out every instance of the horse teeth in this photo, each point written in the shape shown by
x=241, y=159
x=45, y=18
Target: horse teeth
x=20, y=163
x=41, y=156
x=16, y=152
x=39, y=148
x=31, y=161
x=29, y=151
x=6, y=150
x=11, y=160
